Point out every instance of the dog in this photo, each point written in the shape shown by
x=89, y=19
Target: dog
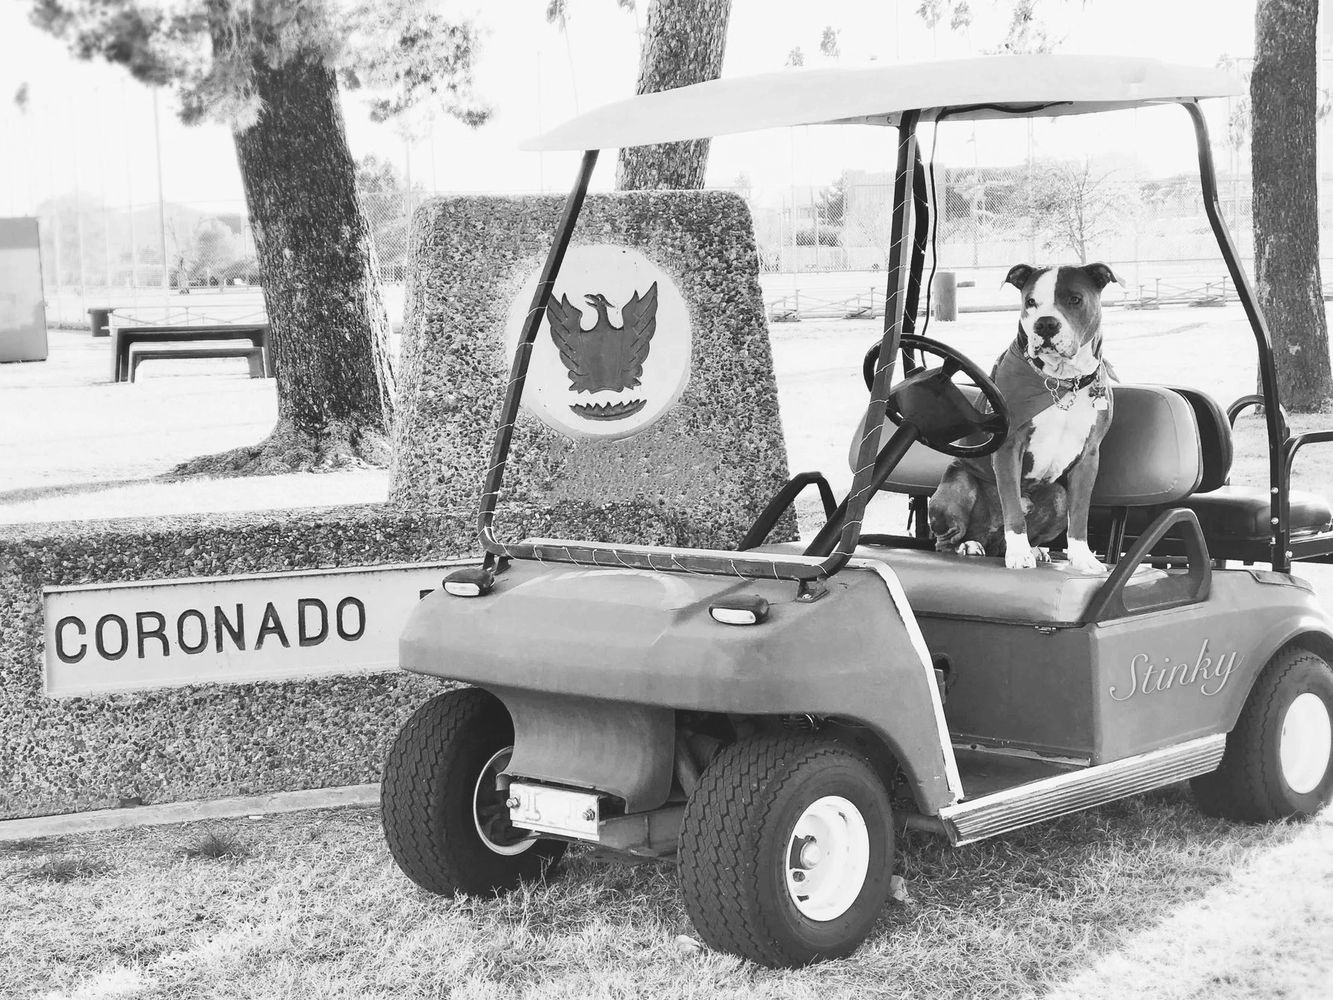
x=1054, y=381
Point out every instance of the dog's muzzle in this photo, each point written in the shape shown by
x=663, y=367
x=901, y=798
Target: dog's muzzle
x=1050, y=337
x=1047, y=328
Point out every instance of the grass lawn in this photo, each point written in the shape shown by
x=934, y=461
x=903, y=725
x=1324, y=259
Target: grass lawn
x=311, y=905
x=1141, y=898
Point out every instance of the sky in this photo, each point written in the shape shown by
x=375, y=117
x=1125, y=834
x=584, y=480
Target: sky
x=88, y=126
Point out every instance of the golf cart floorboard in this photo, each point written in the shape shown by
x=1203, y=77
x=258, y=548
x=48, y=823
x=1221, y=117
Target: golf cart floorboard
x=984, y=772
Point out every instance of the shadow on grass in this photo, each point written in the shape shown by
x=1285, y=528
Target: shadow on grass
x=1004, y=918
x=27, y=494
x=67, y=868
x=215, y=846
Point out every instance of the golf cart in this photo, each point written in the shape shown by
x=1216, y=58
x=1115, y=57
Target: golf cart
x=773, y=715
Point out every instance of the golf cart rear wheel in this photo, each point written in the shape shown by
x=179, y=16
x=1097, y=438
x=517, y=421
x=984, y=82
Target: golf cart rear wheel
x=1279, y=759
x=445, y=823
x=786, y=850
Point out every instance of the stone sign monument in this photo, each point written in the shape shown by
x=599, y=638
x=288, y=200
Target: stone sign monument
x=650, y=412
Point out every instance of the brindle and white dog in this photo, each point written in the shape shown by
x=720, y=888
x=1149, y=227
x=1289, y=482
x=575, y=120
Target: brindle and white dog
x=1039, y=483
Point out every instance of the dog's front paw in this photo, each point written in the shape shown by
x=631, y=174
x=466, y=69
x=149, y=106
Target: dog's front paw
x=971, y=548
x=1018, y=554
x=1082, y=560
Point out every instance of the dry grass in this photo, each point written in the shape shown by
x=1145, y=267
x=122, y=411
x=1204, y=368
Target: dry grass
x=318, y=909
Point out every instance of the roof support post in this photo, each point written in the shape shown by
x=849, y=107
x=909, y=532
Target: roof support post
x=518, y=373
x=1279, y=484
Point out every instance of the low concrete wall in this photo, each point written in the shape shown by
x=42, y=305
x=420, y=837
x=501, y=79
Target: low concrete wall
x=211, y=741
x=61, y=755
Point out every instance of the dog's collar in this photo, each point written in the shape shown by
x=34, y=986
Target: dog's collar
x=1066, y=384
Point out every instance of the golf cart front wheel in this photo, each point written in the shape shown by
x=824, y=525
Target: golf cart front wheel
x=446, y=824
x=786, y=850
x=1279, y=759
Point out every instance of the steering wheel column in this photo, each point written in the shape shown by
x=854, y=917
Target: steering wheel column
x=927, y=406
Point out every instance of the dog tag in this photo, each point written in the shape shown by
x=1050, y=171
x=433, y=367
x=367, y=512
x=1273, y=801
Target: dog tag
x=1099, y=403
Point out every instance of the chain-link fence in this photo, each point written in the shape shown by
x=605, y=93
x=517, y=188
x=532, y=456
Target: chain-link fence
x=146, y=257
x=822, y=250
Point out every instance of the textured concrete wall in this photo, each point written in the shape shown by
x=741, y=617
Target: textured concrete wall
x=705, y=469
x=210, y=741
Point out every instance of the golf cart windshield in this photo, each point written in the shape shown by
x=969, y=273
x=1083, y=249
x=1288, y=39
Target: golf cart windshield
x=901, y=96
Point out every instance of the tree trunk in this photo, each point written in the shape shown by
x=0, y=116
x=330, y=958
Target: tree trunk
x=1286, y=215
x=329, y=327
x=684, y=42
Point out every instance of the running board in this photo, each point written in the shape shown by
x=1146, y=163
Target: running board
x=1047, y=798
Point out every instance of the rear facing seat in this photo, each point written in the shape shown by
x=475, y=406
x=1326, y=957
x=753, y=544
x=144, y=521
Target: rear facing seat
x=1232, y=514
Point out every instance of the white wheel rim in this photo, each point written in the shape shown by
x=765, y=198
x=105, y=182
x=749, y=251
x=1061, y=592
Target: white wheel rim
x=486, y=785
x=1306, y=743
x=827, y=859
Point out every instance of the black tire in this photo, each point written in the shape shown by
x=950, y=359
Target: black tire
x=1253, y=784
x=432, y=792
x=738, y=845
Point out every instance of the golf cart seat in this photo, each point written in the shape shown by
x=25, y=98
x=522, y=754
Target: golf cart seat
x=1167, y=447
x=1150, y=457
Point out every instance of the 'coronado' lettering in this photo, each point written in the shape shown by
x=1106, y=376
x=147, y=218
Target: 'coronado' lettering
x=194, y=630
x=1146, y=677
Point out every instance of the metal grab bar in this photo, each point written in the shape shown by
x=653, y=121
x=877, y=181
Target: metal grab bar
x=1108, y=604
x=783, y=499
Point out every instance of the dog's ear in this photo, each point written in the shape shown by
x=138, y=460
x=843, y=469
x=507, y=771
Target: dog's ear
x=1101, y=275
x=1018, y=275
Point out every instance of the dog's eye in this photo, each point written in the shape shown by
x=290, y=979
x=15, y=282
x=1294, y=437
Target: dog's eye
x=1030, y=303
x=1076, y=300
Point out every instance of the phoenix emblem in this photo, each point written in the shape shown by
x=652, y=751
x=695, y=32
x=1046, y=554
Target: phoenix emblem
x=606, y=357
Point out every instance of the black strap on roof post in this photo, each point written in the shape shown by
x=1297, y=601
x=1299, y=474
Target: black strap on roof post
x=1279, y=484
x=921, y=235
x=894, y=301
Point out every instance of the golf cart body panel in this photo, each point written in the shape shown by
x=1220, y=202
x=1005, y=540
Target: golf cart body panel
x=612, y=637
x=1031, y=670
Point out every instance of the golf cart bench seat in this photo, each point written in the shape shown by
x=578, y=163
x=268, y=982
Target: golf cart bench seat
x=943, y=585
x=1167, y=447
x=1231, y=513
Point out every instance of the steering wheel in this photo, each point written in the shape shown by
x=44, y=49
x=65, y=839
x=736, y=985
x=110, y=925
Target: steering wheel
x=942, y=413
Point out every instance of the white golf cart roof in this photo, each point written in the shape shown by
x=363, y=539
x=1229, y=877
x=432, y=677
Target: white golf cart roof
x=986, y=87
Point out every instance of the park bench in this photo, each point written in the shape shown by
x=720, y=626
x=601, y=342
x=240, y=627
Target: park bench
x=124, y=337
x=254, y=355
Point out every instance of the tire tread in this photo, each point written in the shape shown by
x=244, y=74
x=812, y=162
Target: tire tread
x=1241, y=789
x=421, y=757
x=720, y=837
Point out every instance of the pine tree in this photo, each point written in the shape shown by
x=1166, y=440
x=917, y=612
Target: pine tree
x=270, y=69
